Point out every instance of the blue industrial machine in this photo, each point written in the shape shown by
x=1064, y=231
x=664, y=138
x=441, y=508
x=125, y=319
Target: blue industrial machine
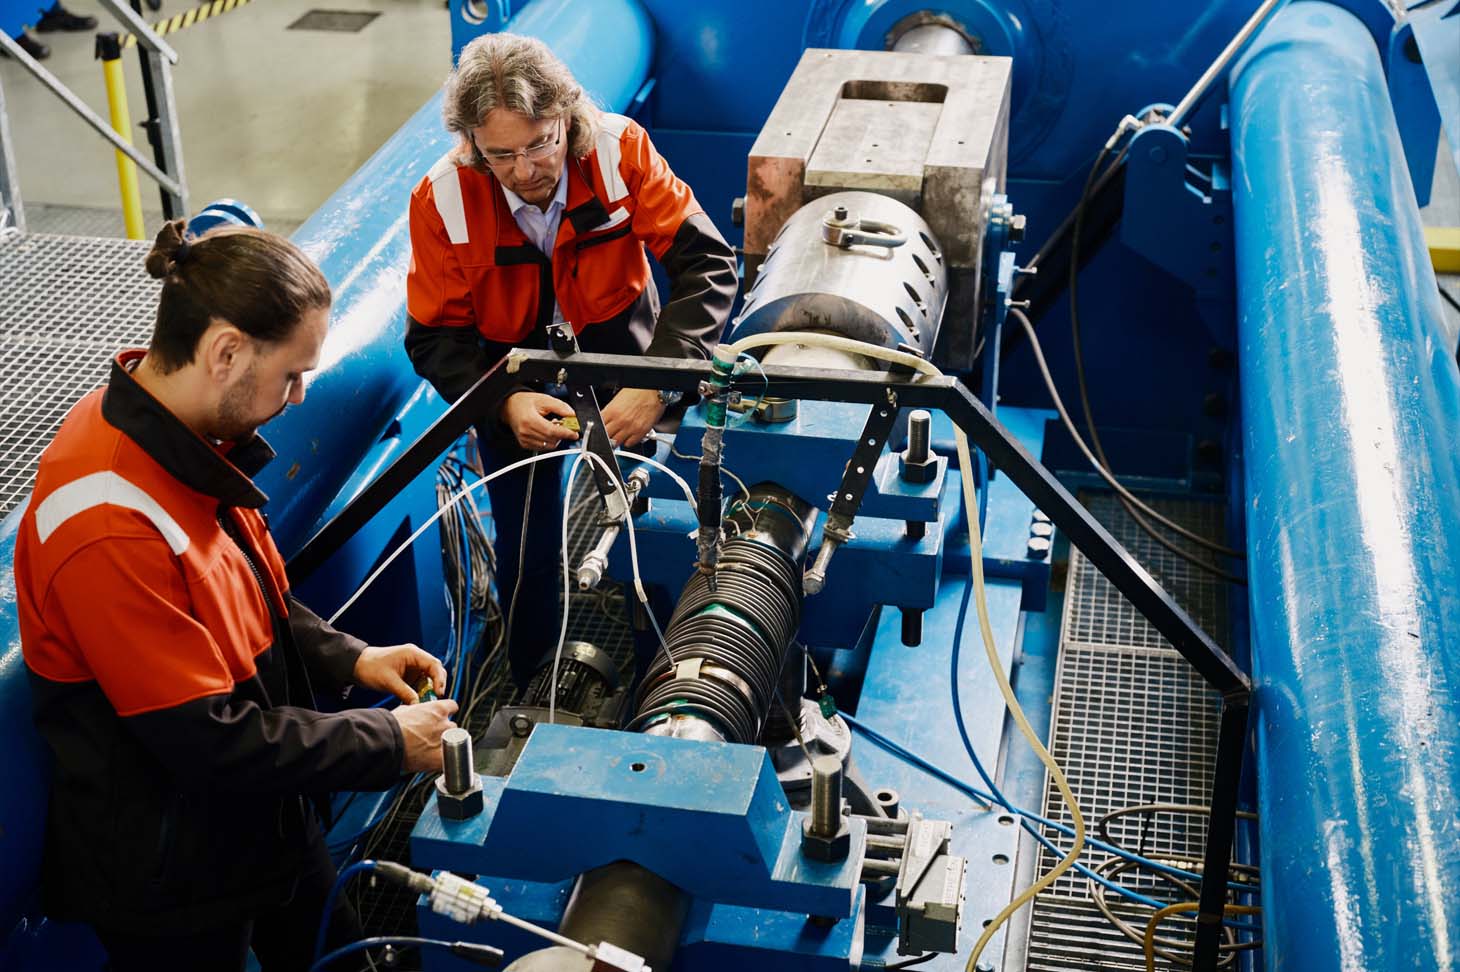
x=790, y=783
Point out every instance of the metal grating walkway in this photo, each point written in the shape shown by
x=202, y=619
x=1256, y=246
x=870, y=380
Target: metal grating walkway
x=1132, y=724
x=69, y=304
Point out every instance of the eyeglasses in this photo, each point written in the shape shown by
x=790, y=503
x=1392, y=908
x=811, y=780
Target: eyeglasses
x=535, y=152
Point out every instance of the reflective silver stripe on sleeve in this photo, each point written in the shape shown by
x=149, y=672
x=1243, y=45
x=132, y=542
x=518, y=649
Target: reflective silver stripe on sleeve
x=105, y=489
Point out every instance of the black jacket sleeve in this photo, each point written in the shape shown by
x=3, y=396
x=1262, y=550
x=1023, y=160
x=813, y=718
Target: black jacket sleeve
x=221, y=742
x=328, y=654
x=703, y=280
x=166, y=677
x=452, y=359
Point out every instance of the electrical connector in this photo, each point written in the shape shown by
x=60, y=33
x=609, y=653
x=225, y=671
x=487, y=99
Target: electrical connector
x=608, y=957
x=462, y=900
x=483, y=955
x=400, y=874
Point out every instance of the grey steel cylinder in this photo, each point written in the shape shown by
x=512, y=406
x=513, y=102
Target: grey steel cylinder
x=456, y=760
x=826, y=796
x=919, y=436
x=935, y=39
x=621, y=903
x=885, y=295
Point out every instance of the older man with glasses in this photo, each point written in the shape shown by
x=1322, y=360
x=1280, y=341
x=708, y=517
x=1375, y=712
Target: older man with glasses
x=540, y=215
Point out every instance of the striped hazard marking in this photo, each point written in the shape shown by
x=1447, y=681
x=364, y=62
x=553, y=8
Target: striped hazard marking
x=189, y=18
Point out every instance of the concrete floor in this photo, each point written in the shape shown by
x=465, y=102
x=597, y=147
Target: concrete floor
x=275, y=117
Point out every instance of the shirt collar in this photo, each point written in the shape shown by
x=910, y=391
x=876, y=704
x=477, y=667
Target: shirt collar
x=222, y=472
x=560, y=197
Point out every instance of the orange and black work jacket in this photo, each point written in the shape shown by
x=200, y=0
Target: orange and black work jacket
x=172, y=675
x=478, y=287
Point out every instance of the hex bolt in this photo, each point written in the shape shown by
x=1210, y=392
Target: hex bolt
x=826, y=796
x=456, y=760
x=919, y=435
x=458, y=788
x=918, y=464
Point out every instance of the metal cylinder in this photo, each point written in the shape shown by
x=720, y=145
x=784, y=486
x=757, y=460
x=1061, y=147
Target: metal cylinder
x=622, y=904
x=1351, y=409
x=885, y=296
x=586, y=676
x=919, y=435
x=826, y=796
x=932, y=39
x=456, y=762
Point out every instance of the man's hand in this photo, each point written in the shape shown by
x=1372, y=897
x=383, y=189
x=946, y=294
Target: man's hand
x=398, y=669
x=421, y=727
x=631, y=414
x=528, y=415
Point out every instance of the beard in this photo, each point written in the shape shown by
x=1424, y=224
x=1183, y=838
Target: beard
x=235, y=420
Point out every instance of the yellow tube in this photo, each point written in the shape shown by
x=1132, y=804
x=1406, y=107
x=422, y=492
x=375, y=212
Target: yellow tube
x=1176, y=909
x=116, y=99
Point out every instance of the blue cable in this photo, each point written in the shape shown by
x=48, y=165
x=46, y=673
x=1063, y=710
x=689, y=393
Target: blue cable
x=481, y=954
x=329, y=909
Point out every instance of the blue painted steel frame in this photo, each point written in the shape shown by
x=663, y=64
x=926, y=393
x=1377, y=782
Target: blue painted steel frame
x=721, y=938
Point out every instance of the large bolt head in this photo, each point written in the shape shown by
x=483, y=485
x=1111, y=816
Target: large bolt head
x=459, y=806
x=829, y=849
x=917, y=472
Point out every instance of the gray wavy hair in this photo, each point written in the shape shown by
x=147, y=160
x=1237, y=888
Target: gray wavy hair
x=519, y=74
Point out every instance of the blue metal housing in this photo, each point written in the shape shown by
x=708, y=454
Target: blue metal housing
x=644, y=799
x=1351, y=403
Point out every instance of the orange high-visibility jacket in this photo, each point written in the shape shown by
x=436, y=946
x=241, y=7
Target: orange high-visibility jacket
x=173, y=675
x=478, y=287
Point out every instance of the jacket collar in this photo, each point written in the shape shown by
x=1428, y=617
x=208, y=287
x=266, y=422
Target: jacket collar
x=222, y=472
x=583, y=210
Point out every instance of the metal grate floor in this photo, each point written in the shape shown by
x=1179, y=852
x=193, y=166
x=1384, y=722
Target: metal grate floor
x=1132, y=724
x=70, y=303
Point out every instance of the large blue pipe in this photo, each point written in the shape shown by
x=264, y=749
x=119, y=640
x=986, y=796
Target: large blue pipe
x=360, y=239
x=1351, y=407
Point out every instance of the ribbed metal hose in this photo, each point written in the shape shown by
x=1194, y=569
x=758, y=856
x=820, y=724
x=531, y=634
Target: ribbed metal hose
x=728, y=641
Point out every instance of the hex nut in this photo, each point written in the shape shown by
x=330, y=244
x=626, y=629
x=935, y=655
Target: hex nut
x=917, y=472
x=459, y=806
x=829, y=849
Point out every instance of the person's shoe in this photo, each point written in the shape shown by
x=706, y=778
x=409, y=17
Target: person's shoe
x=59, y=18
x=31, y=46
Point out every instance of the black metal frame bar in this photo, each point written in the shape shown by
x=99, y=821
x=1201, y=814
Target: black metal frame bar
x=1003, y=450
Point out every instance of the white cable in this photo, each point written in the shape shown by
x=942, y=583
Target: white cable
x=563, y=630
x=406, y=543
x=975, y=552
x=639, y=591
